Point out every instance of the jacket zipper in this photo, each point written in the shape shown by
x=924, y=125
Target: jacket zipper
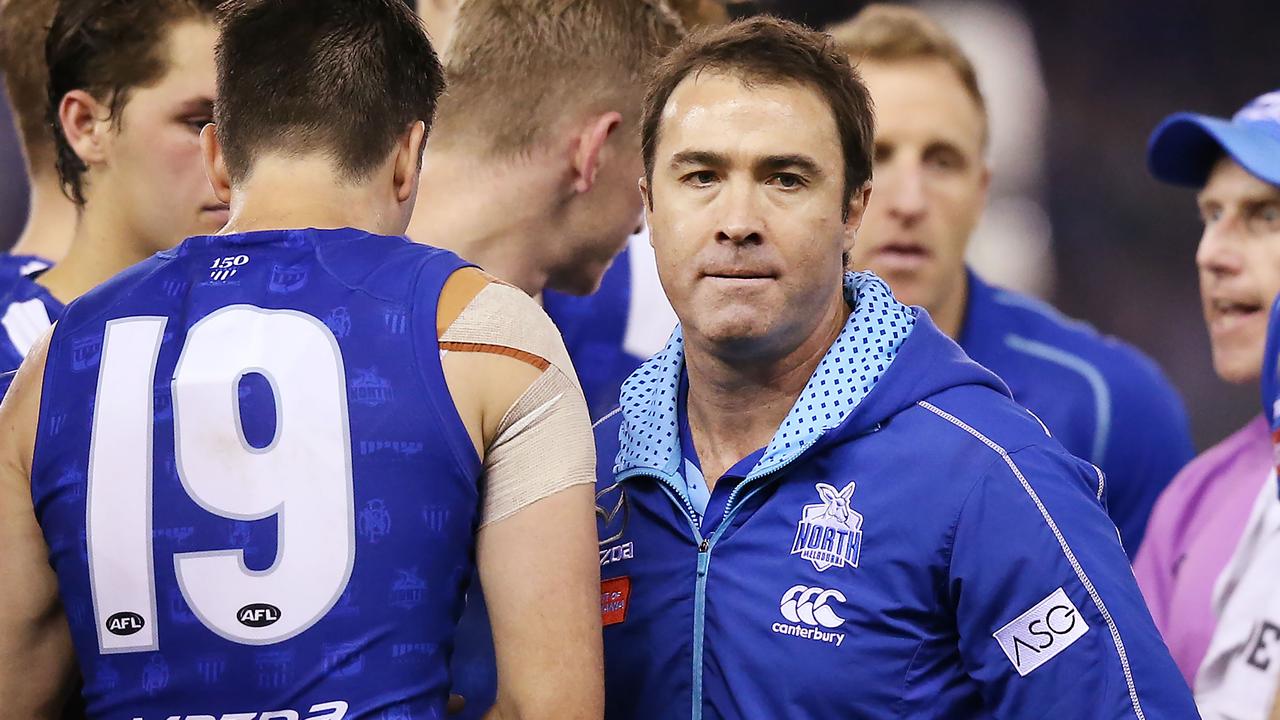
x=704, y=556
x=737, y=498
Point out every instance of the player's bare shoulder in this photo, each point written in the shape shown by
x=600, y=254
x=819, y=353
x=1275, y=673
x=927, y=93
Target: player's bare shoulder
x=495, y=342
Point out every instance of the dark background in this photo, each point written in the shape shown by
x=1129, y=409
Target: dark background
x=1124, y=245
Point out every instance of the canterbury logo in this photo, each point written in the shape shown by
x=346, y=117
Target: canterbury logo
x=803, y=604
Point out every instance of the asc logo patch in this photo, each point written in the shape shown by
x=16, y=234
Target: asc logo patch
x=1037, y=635
x=830, y=532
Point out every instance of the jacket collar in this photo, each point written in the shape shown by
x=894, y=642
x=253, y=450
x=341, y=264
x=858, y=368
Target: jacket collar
x=877, y=326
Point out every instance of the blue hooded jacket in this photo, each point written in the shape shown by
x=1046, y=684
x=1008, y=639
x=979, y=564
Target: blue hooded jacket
x=911, y=543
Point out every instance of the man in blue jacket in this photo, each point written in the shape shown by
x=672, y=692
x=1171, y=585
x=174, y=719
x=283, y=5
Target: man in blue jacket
x=812, y=504
x=1104, y=400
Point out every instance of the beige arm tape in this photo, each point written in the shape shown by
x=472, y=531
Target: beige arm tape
x=544, y=442
x=544, y=445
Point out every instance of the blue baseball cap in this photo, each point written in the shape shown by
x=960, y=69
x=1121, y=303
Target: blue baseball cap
x=1184, y=147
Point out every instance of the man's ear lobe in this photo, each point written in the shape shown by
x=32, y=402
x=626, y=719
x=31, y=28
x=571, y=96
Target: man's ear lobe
x=215, y=163
x=590, y=152
x=854, y=212
x=86, y=125
x=645, y=196
x=857, y=207
x=408, y=162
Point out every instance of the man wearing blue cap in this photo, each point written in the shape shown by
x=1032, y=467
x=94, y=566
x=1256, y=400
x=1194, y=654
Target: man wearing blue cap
x=1199, y=521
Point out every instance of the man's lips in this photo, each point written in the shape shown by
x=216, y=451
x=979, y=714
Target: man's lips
x=732, y=275
x=740, y=279
x=1227, y=314
x=902, y=256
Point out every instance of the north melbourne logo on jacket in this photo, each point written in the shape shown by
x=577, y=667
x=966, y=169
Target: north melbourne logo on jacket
x=1037, y=635
x=830, y=532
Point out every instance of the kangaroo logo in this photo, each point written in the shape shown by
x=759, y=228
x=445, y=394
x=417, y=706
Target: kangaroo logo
x=830, y=533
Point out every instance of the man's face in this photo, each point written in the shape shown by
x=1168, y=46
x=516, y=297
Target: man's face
x=153, y=176
x=747, y=213
x=1239, y=263
x=607, y=215
x=930, y=181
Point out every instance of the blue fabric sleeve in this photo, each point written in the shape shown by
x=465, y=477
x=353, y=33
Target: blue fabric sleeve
x=1031, y=526
x=1150, y=442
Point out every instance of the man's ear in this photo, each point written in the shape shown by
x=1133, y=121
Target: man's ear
x=986, y=182
x=644, y=193
x=215, y=165
x=853, y=214
x=588, y=148
x=86, y=124
x=408, y=162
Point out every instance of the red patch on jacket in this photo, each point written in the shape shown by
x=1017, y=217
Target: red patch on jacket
x=614, y=596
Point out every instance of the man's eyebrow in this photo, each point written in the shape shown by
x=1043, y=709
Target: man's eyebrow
x=698, y=157
x=804, y=163
x=1260, y=200
x=198, y=105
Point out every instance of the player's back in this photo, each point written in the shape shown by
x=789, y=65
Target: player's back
x=256, y=491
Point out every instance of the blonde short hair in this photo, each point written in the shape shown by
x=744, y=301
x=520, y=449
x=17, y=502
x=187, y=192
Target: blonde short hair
x=894, y=33
x=517, y=68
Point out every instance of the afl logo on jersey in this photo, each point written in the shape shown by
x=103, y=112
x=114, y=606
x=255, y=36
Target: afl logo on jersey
x=258, y=615
x=125, y=623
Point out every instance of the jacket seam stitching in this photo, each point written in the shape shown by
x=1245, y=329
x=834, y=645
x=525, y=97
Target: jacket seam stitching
x=1062, y=543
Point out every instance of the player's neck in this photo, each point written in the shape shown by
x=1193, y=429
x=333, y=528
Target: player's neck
x=102, y=245
x=288, y=194
x=491, y=213
x=51, y=222
x=736, y=404
x=949, y=315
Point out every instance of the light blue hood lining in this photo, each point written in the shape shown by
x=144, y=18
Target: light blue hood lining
x=877, y=327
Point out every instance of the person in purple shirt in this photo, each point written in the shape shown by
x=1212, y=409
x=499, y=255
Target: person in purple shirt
x=1235, y=166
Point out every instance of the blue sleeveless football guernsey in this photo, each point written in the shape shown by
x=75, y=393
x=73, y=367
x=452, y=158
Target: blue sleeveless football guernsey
x=258, y=496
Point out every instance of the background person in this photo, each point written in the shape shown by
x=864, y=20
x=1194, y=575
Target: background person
x=51, y=217
x=130, y=86
x=1101, y=398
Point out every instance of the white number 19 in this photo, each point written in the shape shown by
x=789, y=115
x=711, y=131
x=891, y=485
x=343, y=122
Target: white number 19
x=303, y=477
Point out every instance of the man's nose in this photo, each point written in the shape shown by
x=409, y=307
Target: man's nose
x=903, y=191
x=1219, y=249
x=740, y=218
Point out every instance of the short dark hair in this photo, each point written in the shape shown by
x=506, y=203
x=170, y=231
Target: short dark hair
x=768, y=50
x=107, y=48
x=23, y=27
x=341, y=77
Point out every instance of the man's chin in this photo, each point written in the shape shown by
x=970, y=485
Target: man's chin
x=735, y=335
x=909, y=288
x=580, y=285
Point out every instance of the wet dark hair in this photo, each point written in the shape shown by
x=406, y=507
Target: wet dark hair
x=107, y=48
